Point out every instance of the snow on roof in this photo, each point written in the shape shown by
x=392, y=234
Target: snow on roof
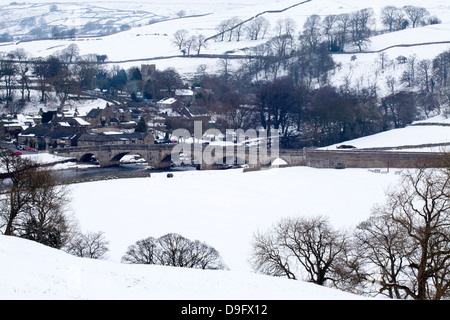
x=167, y=101
x=184, y=92
x=81, y=121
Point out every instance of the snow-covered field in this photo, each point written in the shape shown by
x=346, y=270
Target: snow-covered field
x=145, y=42
x=221, y=208
x=431, y=135
x=33, y=271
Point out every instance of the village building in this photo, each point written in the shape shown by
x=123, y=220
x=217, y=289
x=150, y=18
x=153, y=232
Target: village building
x=186, y=96
x=171, y=103
x=49, y=135
x=195, y=113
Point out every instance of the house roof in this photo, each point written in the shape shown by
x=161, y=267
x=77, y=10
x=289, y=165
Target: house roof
x=197, y=111
x=62, y=133
x=94, y=113
x=37, y=131
x=184, y=92
x=81, y=121
x=47, y=130
x=167, y=101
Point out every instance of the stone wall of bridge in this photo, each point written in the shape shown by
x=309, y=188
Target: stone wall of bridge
x=370, y=159
x=159, y=156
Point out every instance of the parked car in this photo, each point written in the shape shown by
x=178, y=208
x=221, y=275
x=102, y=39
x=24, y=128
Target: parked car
x=161, y=141
x=18, y=153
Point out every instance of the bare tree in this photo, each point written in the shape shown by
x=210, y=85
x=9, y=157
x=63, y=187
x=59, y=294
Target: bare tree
x=90, y=245
x=189, y=44
x=174, y=250
x=381, y=245
x=420, y=208
x=311, y=35
x=46, y=220
x=415, y=14
x=343, y=25
x=19, y=188
x=424, y=75
x=299, y=246
x=145, y=251
x=285, y=26
x=329, y=29
x=257, y=28
x=35, y=206
x=238, y=29
x=199, y=43
x=179, y=38
x=8, y=72
x=223, y=28
x=392, y=18
x=23, y=69
x=70, y=54
x=361, y=26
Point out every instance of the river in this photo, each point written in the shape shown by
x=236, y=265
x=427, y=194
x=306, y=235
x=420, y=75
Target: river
x=123, y=170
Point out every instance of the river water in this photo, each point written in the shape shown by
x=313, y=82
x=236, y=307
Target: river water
x=117, y=171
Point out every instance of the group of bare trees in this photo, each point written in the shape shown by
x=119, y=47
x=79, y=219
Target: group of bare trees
x=401, y=251
x=187, y=43
x=309, y=111
x=33, y=205
x=337, y=32
x=64, y=73
x=174, y=250
x=422, y=82
x=394, y=18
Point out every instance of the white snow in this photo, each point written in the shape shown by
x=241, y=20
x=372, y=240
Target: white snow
x=435, y=130
x=151, y=43
x=32, y=271
x=221, y=208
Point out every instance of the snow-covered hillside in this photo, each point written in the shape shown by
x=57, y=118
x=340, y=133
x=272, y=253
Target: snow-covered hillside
x=431, y=135
x=221, y=208
x=152, y=42
x=32, y=271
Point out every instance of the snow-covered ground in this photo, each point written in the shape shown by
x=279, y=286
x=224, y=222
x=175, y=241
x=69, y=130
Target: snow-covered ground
x=222, y=208
x=416, y=137
x=32, y=271
x=145, y=43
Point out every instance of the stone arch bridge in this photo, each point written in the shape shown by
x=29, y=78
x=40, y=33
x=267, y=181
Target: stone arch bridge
x=159, y=156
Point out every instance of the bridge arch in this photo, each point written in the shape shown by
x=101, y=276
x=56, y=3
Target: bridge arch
x=116, y=158
x=234, y=160
x=166, y=160
x=89, y=158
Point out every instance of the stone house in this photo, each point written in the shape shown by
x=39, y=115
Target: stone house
x=54, y=136
x=195, y=113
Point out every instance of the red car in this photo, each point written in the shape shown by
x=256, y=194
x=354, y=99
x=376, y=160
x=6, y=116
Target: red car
x=18, y=153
